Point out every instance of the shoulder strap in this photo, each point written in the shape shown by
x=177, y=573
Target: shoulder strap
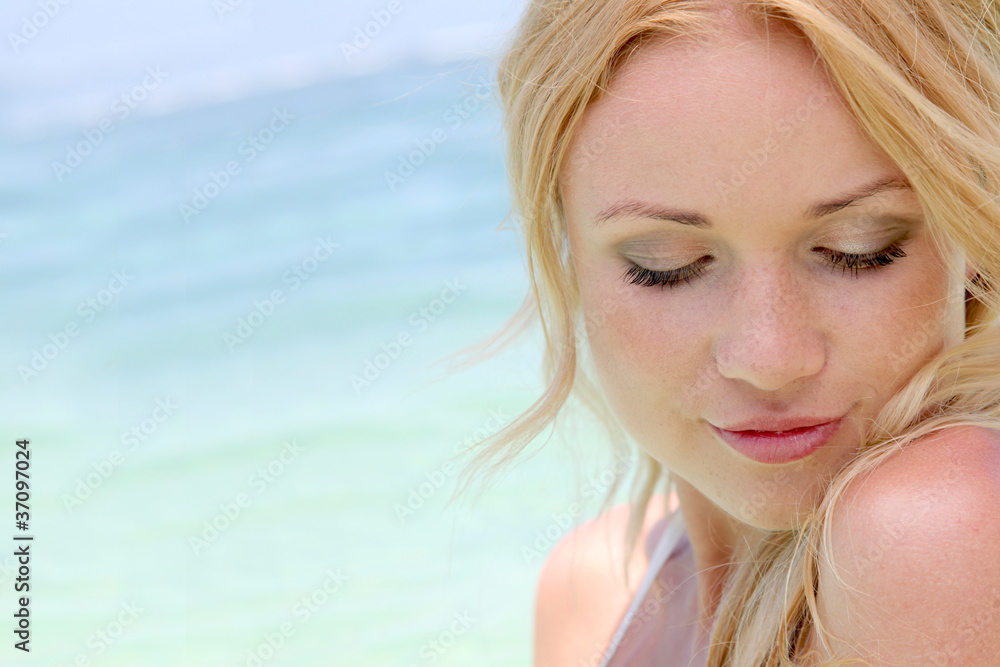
x=668, y=541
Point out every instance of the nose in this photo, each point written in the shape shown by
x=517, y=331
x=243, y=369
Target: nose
x=771, y=337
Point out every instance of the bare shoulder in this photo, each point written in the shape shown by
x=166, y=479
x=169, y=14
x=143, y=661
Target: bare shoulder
x=924, y=526
x=581, y=593
x=954, y=470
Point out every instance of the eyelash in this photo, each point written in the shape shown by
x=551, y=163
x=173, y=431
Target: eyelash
x=637, y=275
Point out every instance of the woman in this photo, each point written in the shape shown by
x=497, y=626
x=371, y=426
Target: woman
x=770, y=228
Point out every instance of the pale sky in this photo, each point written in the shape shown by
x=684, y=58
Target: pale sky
x=214, y=50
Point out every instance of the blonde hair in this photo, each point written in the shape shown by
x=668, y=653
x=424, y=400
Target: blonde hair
x=922, y=79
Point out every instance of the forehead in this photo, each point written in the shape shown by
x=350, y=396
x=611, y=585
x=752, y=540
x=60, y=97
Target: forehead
x=682, y=117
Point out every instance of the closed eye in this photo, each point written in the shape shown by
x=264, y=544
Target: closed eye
x=855, y=263
x=868, y=260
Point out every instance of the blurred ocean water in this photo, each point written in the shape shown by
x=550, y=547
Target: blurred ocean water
x=220, y=329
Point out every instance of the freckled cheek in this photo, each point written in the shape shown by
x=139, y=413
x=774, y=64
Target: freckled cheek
x=897, y=332
x=922, y=328
x=643, y=346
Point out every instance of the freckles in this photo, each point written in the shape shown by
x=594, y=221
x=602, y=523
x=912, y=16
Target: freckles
x=652, y=360
x=647, y=339
x=912, y=327
x=918, y=340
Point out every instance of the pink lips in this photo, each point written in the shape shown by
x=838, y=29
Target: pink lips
x=779, y=446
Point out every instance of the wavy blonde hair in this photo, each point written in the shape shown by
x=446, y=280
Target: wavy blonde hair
x=922, y=78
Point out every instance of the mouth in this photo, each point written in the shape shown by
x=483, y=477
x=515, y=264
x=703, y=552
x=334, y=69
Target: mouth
x=779, y=446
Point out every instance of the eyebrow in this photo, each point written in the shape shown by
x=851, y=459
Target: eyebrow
x=694, y=219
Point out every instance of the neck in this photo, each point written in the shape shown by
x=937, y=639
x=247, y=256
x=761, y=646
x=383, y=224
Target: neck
x=715, y=536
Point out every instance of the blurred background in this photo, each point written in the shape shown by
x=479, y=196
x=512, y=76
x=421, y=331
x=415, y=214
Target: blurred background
x=235, y=237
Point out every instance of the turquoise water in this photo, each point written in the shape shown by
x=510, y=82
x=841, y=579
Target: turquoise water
x=211, y=483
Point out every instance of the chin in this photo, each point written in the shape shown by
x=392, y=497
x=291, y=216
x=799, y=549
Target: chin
x=772, y=506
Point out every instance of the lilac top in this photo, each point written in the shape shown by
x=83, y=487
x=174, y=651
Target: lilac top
x=660, y=627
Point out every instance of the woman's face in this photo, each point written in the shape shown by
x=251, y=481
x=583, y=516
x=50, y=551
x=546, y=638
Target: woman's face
x=730, y=165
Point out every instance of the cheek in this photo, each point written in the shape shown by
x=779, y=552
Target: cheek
x=648, y=346
x=638, y=346
x=888, y=336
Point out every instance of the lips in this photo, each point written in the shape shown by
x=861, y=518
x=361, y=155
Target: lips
x=777, y=423
x=779, y=441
